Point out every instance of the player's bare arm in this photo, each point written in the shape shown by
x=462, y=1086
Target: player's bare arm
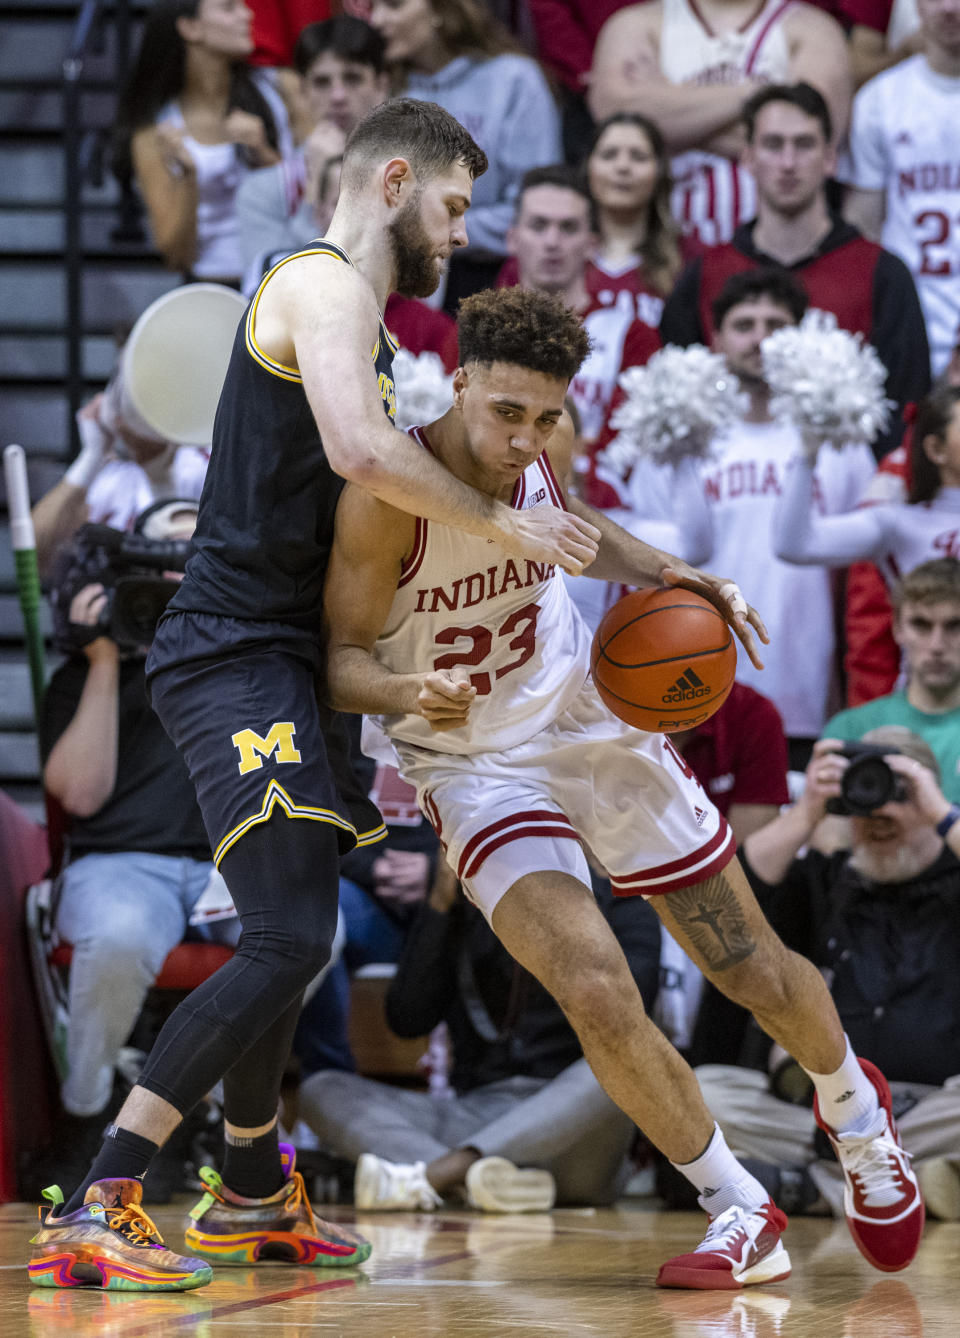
x=819, y=56
x=370, y=543
x=621, y=557
x=626, y=76
x=327, y=335
x=866, y=210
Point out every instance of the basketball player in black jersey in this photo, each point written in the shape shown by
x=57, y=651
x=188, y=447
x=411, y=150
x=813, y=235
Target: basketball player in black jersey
x=236, y=674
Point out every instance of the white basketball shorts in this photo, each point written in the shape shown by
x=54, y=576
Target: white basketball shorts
x=587, y=780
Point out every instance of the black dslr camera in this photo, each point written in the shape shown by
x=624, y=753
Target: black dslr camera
x=868, y=783
x=128, y=566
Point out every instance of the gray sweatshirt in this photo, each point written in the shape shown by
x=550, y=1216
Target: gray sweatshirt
x=506, y=104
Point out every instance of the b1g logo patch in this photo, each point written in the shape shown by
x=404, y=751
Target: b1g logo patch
x=278, y=744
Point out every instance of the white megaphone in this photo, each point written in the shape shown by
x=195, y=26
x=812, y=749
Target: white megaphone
x=173, y=365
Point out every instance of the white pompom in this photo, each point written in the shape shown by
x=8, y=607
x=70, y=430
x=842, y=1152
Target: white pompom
x=676, y=404
x=423, y=386
x=826, y=381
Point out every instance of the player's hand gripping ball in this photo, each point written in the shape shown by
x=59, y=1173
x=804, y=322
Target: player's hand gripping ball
x=663, y=660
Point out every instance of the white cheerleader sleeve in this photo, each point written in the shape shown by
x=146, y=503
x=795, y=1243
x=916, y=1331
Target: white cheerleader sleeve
x=802, y=536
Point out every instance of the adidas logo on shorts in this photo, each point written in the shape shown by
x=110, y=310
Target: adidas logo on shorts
x=687, y=688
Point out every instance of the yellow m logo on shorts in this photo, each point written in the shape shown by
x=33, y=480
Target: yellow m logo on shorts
x=278, y=743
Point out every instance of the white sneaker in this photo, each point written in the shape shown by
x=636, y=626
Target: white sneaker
x=495, y=1185
x=386, y=1185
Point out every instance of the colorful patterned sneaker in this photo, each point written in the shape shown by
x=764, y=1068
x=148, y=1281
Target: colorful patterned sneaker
x=881, y=1198
x=109, y=1243
x=389, y=1186
x=742, y=1247
x=228, y=1229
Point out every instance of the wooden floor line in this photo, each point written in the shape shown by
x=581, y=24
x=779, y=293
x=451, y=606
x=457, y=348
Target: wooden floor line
x=328, y=1284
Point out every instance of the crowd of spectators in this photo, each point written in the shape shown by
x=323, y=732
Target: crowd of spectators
x=679, y=173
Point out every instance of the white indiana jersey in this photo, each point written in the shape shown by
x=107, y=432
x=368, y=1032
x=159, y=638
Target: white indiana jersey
x=905, y=141
x=461, y=601
x=712, y=195
x=741, y=485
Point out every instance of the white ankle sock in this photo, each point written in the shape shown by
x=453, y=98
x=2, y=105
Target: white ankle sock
x=847, y=1098
x=720, y=1180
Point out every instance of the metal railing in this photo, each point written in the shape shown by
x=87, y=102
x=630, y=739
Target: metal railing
x=82, y=150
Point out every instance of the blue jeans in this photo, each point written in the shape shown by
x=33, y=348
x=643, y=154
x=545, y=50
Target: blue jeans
x=322, y=1040
x=123, y=913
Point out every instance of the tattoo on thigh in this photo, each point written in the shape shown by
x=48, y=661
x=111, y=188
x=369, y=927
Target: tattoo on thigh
x=710, y=915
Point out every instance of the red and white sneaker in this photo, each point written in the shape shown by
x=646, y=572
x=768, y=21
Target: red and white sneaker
x=881, y=1199
x=742, y=1247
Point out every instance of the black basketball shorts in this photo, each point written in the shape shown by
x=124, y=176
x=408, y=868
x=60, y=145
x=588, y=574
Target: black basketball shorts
x=239, y=700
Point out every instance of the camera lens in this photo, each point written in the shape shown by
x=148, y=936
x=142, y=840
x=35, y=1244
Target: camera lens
x=867, y=784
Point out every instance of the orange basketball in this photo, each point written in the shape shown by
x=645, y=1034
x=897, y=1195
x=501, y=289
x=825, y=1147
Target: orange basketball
x=663, y=660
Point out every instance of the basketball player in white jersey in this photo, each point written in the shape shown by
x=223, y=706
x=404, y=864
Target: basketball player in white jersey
x=905, y=169
x=477, y=670
x=690, y=65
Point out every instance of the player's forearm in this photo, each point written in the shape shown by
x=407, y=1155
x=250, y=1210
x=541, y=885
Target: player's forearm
x=358, y=683
x=621, y=557
x=402, y=474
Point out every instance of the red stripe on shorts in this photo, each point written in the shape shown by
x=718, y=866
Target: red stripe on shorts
x=709, y=859
x=532, y=816
x=517, y=834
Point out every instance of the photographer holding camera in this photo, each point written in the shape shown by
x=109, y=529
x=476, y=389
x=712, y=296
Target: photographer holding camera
x=882, y=922
x=138, y=858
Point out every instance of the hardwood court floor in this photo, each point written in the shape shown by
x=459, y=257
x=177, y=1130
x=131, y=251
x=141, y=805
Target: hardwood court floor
x=576, y=1274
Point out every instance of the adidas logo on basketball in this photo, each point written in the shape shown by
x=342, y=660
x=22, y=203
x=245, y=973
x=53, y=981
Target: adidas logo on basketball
x=687, y=688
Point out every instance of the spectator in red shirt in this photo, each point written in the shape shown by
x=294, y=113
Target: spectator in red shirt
x=868, y=288
x=638, y=250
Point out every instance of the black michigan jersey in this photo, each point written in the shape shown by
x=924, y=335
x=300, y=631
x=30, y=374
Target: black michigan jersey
x=266, y=515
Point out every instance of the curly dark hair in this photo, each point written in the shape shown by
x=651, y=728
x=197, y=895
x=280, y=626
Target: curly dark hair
x=522, y=327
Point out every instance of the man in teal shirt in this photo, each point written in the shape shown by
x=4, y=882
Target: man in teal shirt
x=927, y=628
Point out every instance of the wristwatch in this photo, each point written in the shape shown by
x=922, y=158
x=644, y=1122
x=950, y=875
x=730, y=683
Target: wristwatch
x=948, y=819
